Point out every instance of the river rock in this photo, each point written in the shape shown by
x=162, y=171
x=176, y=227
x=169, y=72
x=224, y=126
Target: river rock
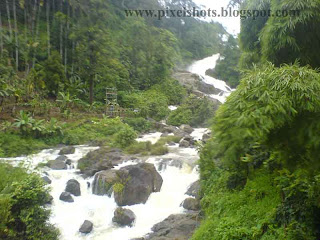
x=169, y=129
x=191, y=204
x=184, y=144
x=124, y=217
x=138, y=181
x=62, y=158
x=73, y=187
x=101, y=159
x=175, y=227
x=86, y=227
x=194, y=189
x=57, y=165
x=186, y=128
x=66, y=197
x=46, y=179
x=67, y=150
x=103, y=182
x=49, y=199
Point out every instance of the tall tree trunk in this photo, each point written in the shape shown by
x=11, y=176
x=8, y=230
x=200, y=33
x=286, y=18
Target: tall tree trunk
x=37, y=33
x=16, y=34
x=48, y=27
x=27, y=65
x=73, y=42
x=1, y=38
x=9, y=18
x=66, y=40
x=61, y=32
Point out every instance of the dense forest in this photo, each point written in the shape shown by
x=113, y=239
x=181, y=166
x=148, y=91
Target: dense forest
x=259, y=170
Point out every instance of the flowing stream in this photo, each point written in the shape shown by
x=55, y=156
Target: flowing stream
x=68, y=217
x=200, y=67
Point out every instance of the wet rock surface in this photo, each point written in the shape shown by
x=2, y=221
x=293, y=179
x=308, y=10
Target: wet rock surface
x=103, y=158
x=67, y=150
x=191, y=204
x=175, y=227
x=86, y=227
x=66, y=197
x=138, y=182
x=194, y=190
x=124, y=217
x=103, y=182
x=73, y=187
x=57, y=165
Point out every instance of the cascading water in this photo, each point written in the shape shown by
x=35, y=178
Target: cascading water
x=200, y=67
x=68, y=217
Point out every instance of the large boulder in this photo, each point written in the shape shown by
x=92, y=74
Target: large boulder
x=175, y=227
x=67, y=150
x=191, y=204
x=62, y=158
x=57, y=165
x=169, y=129
x=101, y=159
x=103, y=182
x=124, y=217
x=138, y=182
x=186, y=128
x=86, y=227
x=66, y=197
x=73, y=187
x=194, y=190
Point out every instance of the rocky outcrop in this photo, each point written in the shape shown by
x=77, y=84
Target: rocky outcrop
x=101, y=159
x=191, y=204
x=57, y=165
x=62, y=158
x=175, y=227
x=170, y=162
x=124, y=217
x=184, y=144
x=186, y=128
x=67, y=150
x=194, y=190
x=103, y=182
x=206, y=137
x=86, y=227
x=73, y=187
x=138, y=182
x=66, y=197
x=194, y=82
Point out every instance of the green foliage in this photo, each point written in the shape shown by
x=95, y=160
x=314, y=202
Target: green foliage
x=22, y=198
x=125, y=136
x=194, y=111
x=118, y=187
x=139, y=124
x=227, y=68
x=148, y=104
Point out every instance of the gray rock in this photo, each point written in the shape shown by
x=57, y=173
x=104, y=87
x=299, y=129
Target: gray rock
x=66, y=197
x=164, y=134
x=124, y=217
x=49, y=200
x=46, y=179
x=62, y=158
x=86, y=227
x=101, y=159
x=57, y=165
x=68, y=162
x=67, y=150
x=183, y=143
x=138, y=181
x=186, y=128
x=191, y=204
x=103, y=182
x=73, y=187
x=175, y=227
x=169, y=129
x=194, y=189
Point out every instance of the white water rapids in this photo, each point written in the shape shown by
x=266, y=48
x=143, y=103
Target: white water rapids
x=68, y=217
x=200, y=67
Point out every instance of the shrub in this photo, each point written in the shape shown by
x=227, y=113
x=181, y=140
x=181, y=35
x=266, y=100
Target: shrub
x=125, y=136
x=139, y=124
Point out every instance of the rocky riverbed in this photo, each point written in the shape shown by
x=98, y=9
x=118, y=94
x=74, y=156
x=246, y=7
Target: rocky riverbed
x=102, y=193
